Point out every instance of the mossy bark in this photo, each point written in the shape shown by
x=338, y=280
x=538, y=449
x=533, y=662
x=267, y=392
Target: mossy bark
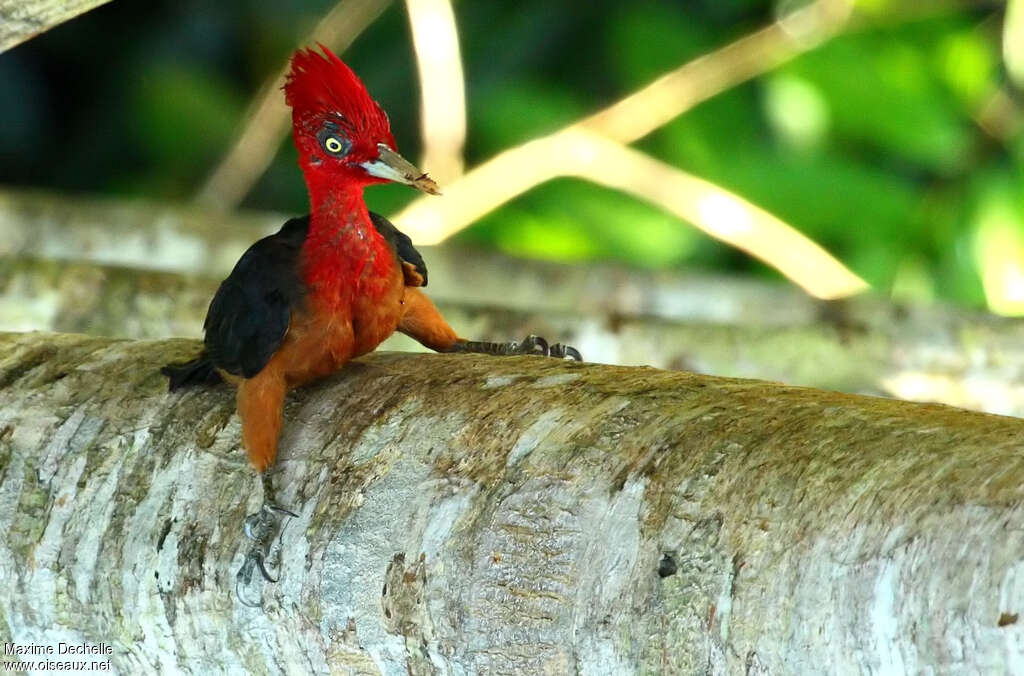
x=462, y=514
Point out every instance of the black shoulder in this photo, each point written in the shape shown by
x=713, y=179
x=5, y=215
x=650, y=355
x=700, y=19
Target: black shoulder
x=250, y=313
x=402, y=245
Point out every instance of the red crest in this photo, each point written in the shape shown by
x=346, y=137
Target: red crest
x=320, y=87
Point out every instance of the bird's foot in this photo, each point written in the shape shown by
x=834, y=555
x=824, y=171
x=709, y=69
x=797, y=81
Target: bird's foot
x=534, y=345
x=264, y=528
x=559, y=351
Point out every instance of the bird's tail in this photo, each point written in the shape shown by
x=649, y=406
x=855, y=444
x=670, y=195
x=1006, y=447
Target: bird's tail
x=200, y=371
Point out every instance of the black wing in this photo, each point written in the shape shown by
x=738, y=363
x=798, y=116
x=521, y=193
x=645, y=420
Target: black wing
x=249, y=315
x=402, y=245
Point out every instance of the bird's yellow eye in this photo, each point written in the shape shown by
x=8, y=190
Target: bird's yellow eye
x=333, y=141
x=333, y=145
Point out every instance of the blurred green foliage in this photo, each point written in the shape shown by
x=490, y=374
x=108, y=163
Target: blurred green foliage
x=873, y=144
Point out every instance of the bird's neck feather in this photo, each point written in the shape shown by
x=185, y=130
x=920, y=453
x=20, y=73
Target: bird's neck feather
x=343, y=253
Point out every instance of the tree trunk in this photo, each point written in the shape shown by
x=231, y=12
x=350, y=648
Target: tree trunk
x=462, y=514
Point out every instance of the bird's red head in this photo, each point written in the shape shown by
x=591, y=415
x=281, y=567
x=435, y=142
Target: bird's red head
x=342, y=135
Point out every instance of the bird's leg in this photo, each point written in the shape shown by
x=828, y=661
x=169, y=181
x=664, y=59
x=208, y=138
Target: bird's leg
x=422, y=321
x=530, y=345
x=264, y=528
x=260, y=403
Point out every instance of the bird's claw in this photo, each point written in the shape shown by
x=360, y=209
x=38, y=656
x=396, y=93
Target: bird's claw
x=531, y=345
x=538, y=346
x=244, y=578
x=264, y=528
x=569, y=352
x=534, y=345
x=256, y=525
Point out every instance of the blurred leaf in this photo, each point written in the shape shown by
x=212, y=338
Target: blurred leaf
x=570, y=220
x=708, y=137
x=797, y=110
x=941, y=240
x=519, y=110
x=182, y=119
x=969, y=66
x=648, y=39
x=881, y=92
x=874, y=8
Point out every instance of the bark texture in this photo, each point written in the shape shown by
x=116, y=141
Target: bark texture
x=483, y=515
x=24, y=19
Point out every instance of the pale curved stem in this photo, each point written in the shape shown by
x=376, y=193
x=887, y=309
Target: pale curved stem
x=442, y=87
x=581, y=153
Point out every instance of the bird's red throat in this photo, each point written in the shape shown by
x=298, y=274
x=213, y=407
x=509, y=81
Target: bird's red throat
x=343, y=255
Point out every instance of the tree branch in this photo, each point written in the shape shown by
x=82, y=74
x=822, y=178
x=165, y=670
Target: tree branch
x=21, y=20
x=435, y=37
x=470, y=514
x=714, y=325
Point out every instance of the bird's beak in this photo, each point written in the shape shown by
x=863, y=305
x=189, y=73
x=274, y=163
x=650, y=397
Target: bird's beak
x=391, y=166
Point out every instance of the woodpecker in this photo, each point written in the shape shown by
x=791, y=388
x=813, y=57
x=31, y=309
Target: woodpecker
x=329, y=286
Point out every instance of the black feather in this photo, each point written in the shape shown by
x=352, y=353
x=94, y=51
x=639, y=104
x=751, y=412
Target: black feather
x=401, y=243
x=199, y=371
x=250, y=313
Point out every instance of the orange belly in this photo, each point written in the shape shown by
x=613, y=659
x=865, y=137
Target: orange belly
x=323, y=337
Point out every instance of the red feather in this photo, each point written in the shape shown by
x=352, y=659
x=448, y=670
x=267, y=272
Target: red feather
x=321, y=86
x=343, y=254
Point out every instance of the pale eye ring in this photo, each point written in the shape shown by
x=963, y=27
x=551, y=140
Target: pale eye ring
x=333, y=145
x=333, y=141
